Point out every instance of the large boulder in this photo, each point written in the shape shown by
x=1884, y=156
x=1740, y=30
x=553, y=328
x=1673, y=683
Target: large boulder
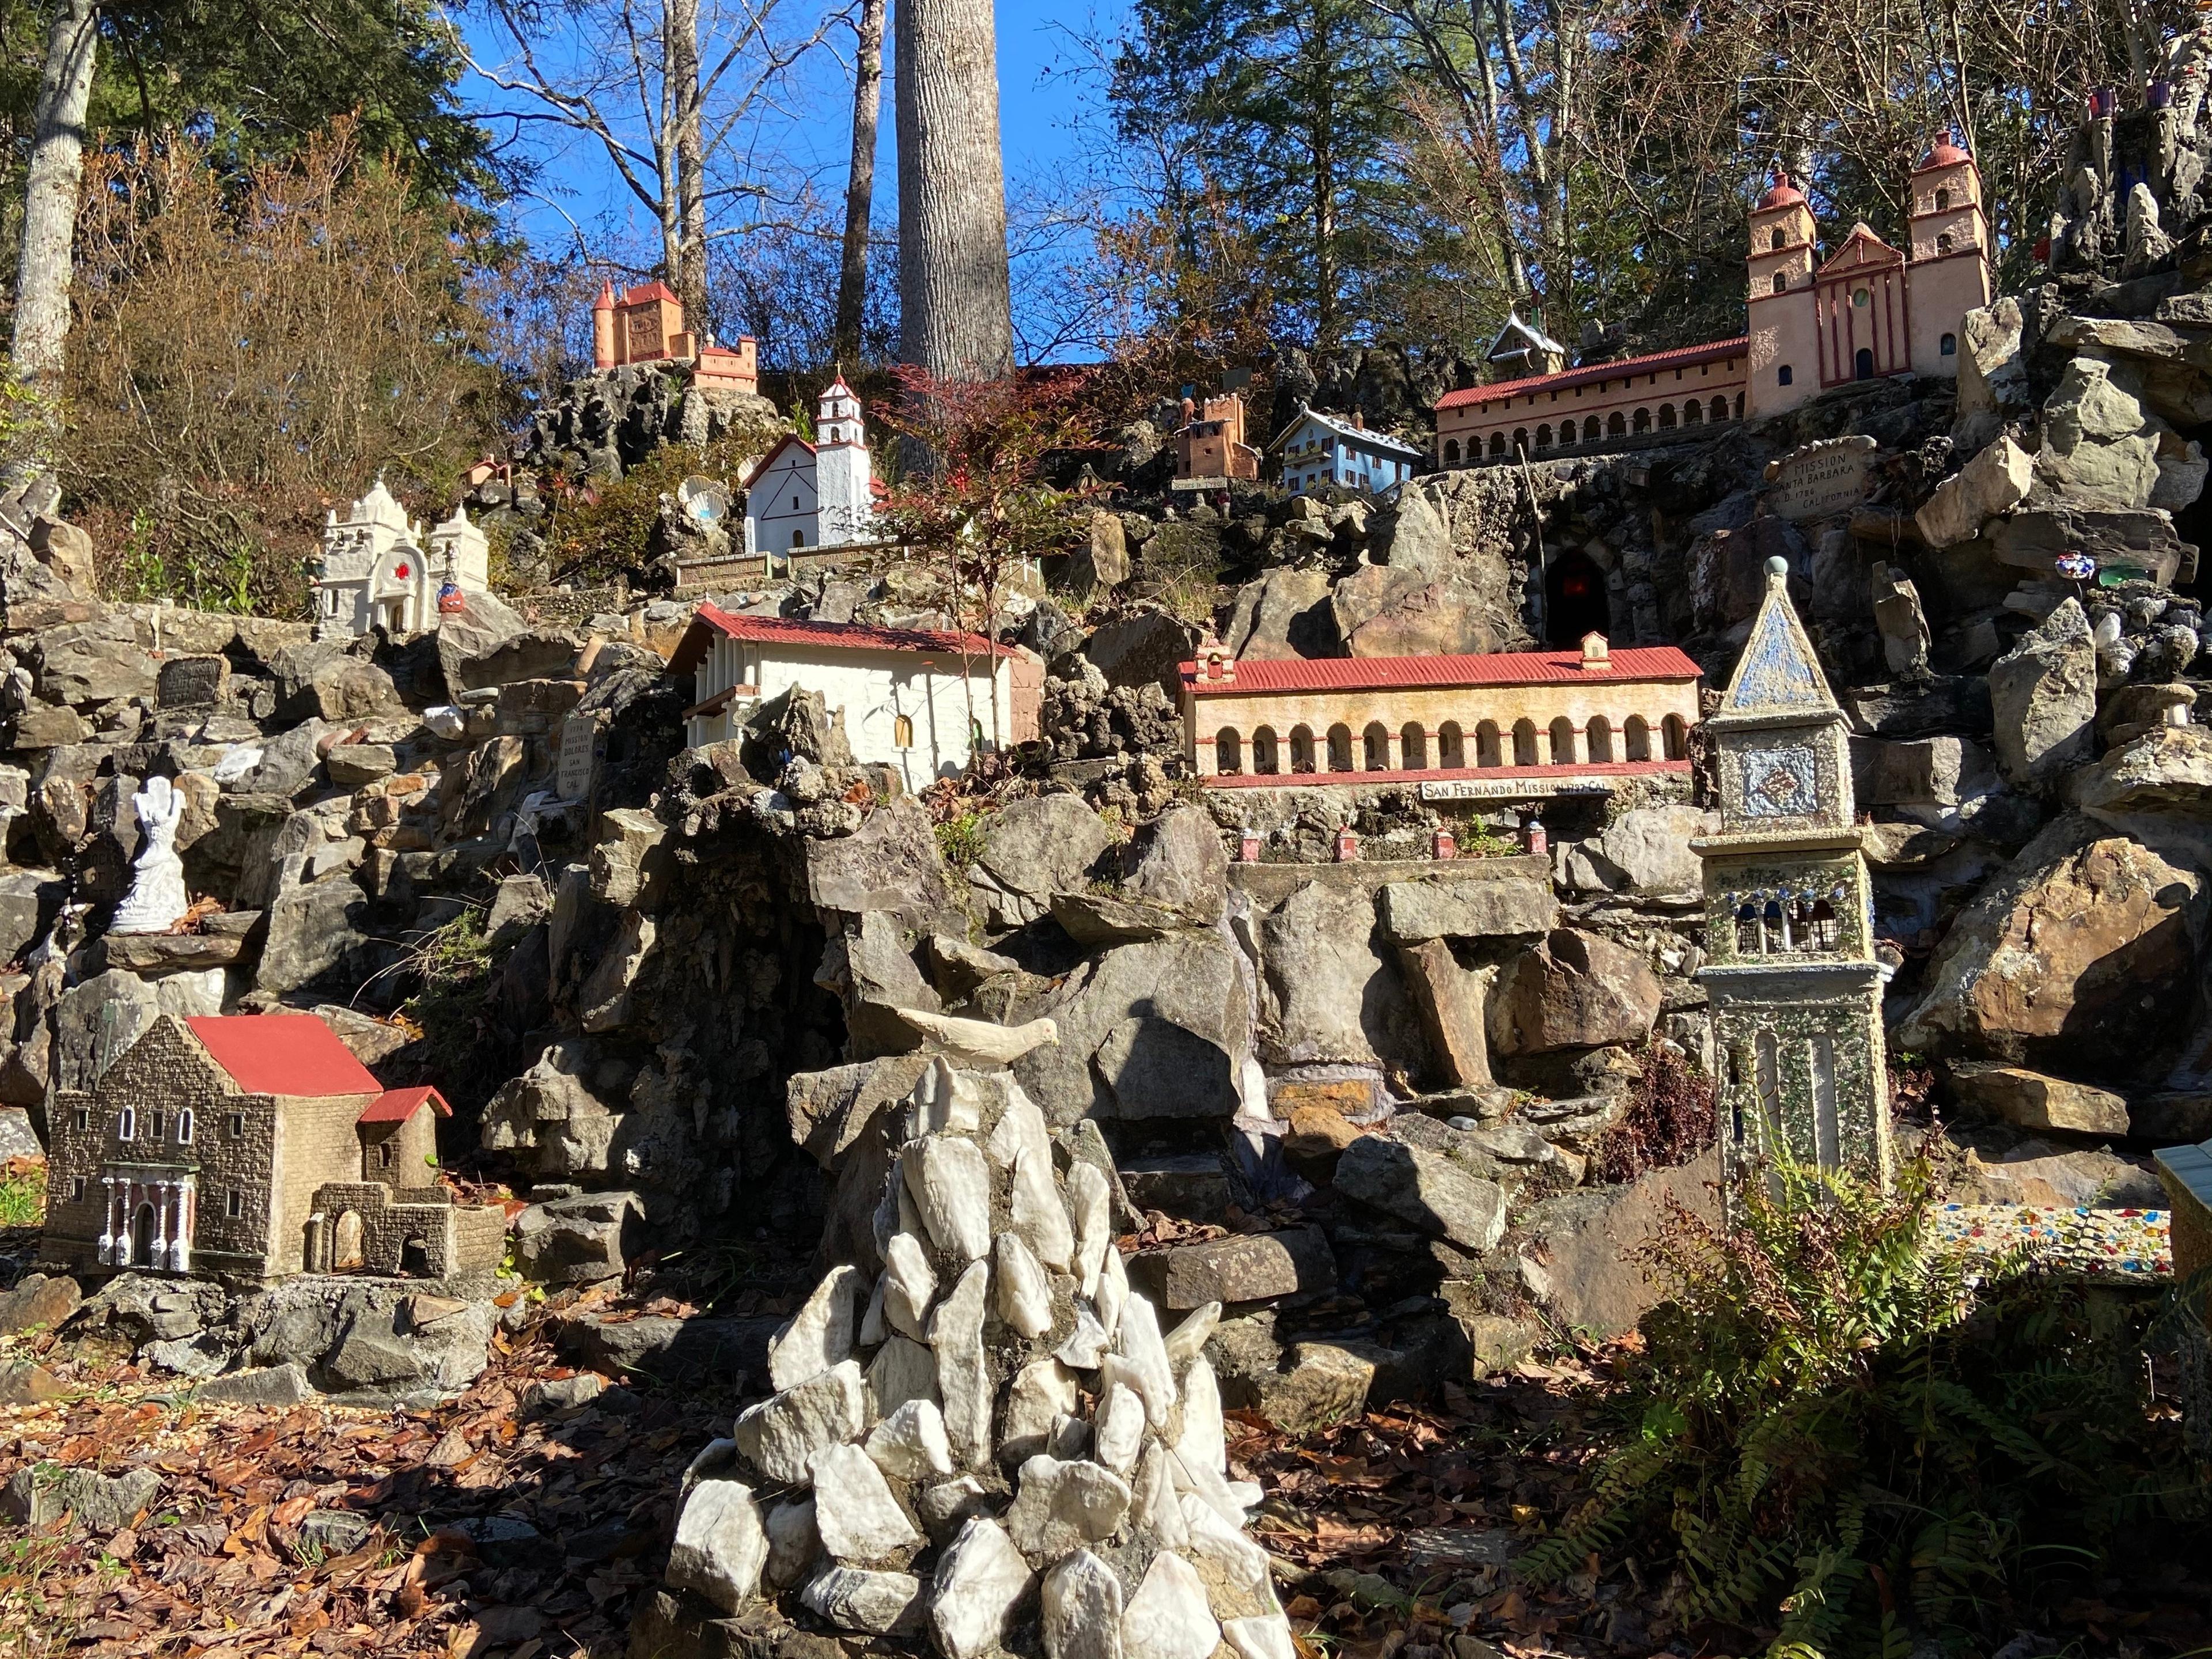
x=1147, y=648
x=1178, y=860
x=1996, y=479
x=1035, y=848
x=1442, y=581
x=2061, y=964
x=1424, y=1189
x=1332, y=996
x=1645, y=853
x=2043, y=693
x=313, y=929
x=1156, y=1029
x=1580, y=1253
x=92, y=662
x=1284, y=614
x=1993, y=385
x=1575, y=990
x=1415, y=911
x=891, y=863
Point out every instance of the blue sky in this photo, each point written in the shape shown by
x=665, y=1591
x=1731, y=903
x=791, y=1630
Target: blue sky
x=1050, y=118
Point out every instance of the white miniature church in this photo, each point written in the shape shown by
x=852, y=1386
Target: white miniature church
x=379, y=569
x=814, y=494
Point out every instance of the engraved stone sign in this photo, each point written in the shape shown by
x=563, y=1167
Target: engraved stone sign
x=1822, y=479
x=579, y=769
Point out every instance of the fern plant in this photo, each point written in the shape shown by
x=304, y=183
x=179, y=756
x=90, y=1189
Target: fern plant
x=1855, y=1437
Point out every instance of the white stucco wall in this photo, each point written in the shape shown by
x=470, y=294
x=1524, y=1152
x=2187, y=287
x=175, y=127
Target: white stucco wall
x=874, y=688
x=770, y=516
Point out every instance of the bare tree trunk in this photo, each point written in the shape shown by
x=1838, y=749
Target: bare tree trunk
x=955, y=315
x=50, y=194
x=688, y=275
x=1324, y=185
x=860, y=180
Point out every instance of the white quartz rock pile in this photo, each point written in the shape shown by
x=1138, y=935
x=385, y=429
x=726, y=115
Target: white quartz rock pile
x=993, y=1445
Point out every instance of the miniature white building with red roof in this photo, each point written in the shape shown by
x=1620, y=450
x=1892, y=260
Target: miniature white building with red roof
x=249, y=1148
x=922, y=700
x=815, y=495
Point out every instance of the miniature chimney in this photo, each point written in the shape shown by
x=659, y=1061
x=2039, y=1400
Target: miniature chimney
x=1595, y=657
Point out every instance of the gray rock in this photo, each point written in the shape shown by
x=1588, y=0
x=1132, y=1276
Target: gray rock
x=264, y=1385
x=1142, y=649
x=1333, y=997
x=1996, y=479
x=1250, y=1267
x=873, y=1603
x=1413, y=911
x=1033, y=849
x=1158, y=1069
x=2043, y=693
x=1576, y=990
x=1178, y=860
x=28, y=899
x=38, y=1303
x=1192, y=981
x=1105, y=919
x=1286, y=610
x=891, y=863
x=92, y=662
x=581, y=1240
x=1318, y=1384
x=374, y=1340
x=1645, y=851
x=668, y=1349
x=335, y=1532
x=2032, y=1101
x=520, y=903
x=313, y=930
x=1581, y=1260
x=1424, y=1189
x=42, y=1493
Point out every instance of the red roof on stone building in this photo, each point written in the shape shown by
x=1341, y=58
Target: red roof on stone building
x=1626, y=369
x=857, y=637
x=397, y=1105
x=293, y=1055
x=1636, y=662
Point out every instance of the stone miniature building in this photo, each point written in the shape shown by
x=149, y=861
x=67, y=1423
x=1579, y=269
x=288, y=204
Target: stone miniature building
x=379, y=569
x=1867, y=311
x=250, y=1147
x=645, y=325
x=1511, y=724
x=1791, y=969
x=1210, y=448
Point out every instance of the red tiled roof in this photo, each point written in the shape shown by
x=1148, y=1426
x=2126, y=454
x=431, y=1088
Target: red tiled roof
x=1440, y=774
x=1627, y=367
x=644, y=291
x=282, y=1054
x=1631, y=663
x=856, y=636
x=397, y=1105
x=1781, y=193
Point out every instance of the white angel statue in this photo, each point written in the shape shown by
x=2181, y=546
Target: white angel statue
x=157, y=897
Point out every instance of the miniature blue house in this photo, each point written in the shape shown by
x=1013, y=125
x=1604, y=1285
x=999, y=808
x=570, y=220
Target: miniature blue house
x=1317, y=449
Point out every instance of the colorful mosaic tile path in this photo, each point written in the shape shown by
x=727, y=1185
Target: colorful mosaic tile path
x=2116, y=1244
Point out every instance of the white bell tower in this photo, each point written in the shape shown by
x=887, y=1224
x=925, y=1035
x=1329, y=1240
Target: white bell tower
x=843, y=473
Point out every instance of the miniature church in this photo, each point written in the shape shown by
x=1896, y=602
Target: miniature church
x=1791, y=969
x=380, y=570
x=807, y=494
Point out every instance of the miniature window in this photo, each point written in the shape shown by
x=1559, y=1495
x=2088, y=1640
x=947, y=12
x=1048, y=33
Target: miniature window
x=185, y=1127
x=902, y=731
x=1451, y=452
x=1942, y=201
x=1943, y=241
x=1818, y=928
x=83, y=1118
x=384, y=1155
x=76, y=1188
x=1779, y=241
x=234, y=1126
x=1948, y=346
x=1862, y=298
x=799, y=538
x=1782, y=375
x=126, y=1126
x=235, y=1205
x=1781, y=280
x=1750, y=941
x=794, y=503
x=1228, y=752
x=157, y=1124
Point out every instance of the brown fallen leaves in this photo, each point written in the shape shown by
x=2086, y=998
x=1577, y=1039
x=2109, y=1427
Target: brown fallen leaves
x=477, y=1531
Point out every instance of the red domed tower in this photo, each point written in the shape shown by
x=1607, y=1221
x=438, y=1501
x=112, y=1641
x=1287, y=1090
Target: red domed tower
x=1949, y=251
x=1780, y=300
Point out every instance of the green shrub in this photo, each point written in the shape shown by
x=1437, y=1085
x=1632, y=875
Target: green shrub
x=1851, y=1435
x=960, y=839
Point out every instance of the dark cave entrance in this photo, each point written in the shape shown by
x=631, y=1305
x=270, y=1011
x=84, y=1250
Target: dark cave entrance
x=1574, y=600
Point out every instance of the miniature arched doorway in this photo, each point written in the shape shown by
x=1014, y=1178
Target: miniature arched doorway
x=1413, y=748
x=414, y=1258
x=1451, y=452
x=346, y=1254
x=142, y=1237
x=1264, y=759
x=1451, y=746
x=1228, y=752
x=1524, y=743
x=1488, y=749
x=1375, y=742
x=1340, y=748
x=1863, y=364
x=1574, y=600
x=1636, y=737
x=1598, y=735
x=1562, y=741
x=1675, y=736
x=1302, y=749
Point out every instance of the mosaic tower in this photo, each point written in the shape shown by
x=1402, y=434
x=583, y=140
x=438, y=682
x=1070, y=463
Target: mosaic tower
x=1790, y=969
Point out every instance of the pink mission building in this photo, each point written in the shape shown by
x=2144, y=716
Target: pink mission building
x=1867, y=311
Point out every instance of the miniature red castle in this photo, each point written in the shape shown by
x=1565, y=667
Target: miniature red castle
x=645, y=325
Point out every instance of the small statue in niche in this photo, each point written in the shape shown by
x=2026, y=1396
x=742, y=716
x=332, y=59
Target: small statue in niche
x=157, y=897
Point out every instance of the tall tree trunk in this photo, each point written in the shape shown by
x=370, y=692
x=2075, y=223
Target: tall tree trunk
x=688, y=271
x=50, y=194
x=955, y=315
x=1324, y=181
x=860, y=180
